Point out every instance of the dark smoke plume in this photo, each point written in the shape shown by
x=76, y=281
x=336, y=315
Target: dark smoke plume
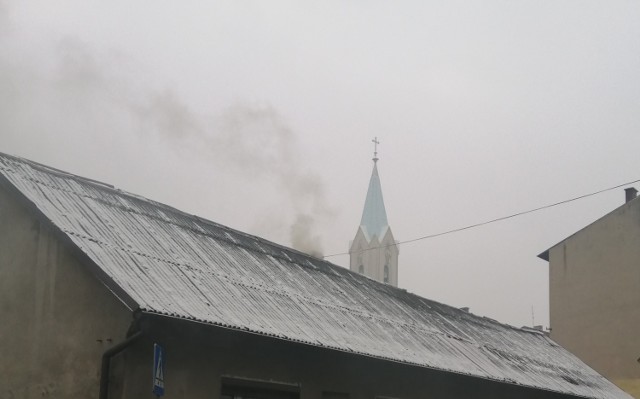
x=82, y=92
x=253, y=141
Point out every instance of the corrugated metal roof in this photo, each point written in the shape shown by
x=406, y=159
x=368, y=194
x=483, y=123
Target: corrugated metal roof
x=177, y=264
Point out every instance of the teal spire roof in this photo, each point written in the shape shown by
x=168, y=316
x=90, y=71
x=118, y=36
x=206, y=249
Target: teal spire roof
x=374, y=216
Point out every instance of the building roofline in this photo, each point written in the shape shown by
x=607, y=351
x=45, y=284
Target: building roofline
x=135, y=197
x=84, y=258
x=545, y=254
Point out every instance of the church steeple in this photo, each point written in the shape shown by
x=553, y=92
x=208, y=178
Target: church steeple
x=374, y=215
x=373, y=251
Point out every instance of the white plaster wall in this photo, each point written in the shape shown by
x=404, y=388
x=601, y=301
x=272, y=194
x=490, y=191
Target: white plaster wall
x=373, y=255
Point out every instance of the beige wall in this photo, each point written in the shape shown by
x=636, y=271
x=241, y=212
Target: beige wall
x=56, y=319
x=198, y=356
x=594, y=291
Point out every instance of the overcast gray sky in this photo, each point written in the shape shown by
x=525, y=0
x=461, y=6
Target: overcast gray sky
x=260, y=115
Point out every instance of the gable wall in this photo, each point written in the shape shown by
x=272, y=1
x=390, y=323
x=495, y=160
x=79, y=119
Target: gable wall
x=57, y=318
x=594, y=279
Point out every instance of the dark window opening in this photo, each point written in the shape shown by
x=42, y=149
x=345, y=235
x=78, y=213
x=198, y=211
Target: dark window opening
x=334, y=395
x=241, y=389
x=387, y=257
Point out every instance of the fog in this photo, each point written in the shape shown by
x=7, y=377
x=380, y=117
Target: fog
x=260, y=116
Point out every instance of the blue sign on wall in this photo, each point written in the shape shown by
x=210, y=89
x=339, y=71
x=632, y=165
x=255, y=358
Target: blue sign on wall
x=158, y=370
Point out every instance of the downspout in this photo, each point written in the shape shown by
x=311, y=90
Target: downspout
x=106, y=362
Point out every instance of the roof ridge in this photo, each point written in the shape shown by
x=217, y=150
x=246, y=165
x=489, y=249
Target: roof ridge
x=109, y=187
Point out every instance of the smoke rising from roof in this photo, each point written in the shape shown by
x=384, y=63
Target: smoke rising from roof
x=252, y=141
x=81, y=90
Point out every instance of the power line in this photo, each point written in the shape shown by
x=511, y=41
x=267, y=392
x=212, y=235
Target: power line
x=471, y=226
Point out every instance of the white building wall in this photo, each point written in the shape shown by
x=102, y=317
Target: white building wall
x=370, y=257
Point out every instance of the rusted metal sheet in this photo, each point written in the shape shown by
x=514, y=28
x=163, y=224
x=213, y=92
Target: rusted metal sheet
x=176, y=264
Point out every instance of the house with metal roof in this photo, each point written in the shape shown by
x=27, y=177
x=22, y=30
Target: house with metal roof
x=594, y=293
x=107, y=294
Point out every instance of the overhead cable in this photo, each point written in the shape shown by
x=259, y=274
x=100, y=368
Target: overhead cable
x=471, y=226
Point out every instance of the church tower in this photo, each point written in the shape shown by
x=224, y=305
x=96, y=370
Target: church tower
x=373, y=251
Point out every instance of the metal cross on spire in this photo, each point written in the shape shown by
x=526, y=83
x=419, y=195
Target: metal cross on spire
x=375, y=149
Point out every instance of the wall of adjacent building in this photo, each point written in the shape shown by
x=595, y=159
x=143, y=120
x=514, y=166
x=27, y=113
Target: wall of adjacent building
x=199, y=358
x=594, y=292
x=56, y=318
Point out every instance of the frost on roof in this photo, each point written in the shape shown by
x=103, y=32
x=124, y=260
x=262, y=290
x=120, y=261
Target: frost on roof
x=176, y=264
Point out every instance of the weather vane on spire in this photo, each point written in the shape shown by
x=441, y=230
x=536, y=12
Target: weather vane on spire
x=375, y=149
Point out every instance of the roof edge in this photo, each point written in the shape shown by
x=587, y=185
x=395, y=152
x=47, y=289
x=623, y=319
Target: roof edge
x=164, y=207
x=75, y=250
x=545, y=254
